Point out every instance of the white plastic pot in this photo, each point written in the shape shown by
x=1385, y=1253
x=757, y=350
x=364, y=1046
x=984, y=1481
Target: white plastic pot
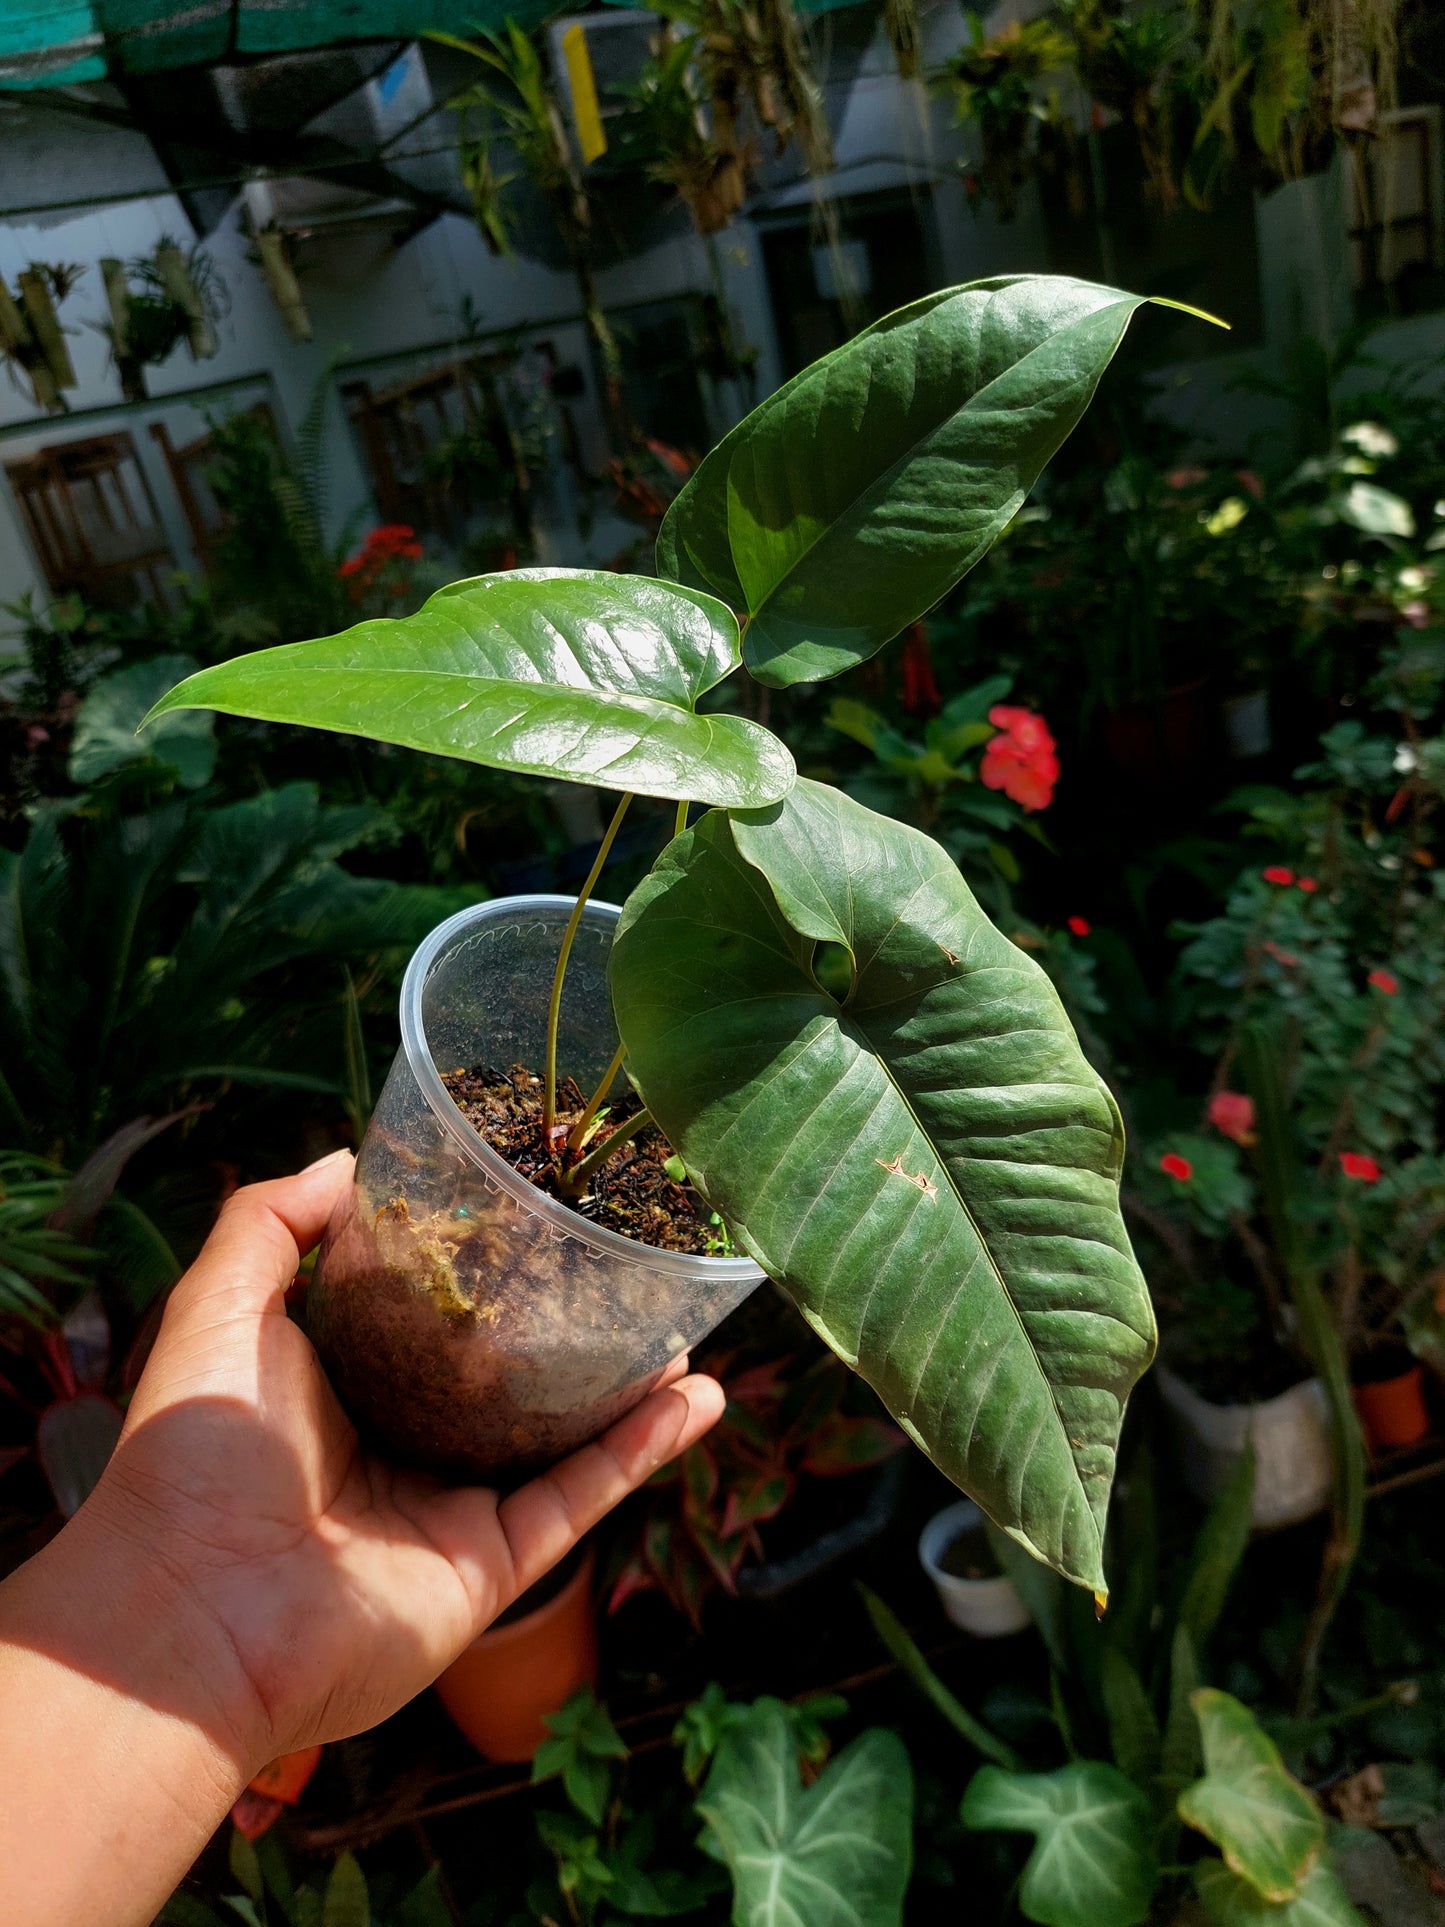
x=469, y=1322
x=987, y=1608
x=1293, y=1471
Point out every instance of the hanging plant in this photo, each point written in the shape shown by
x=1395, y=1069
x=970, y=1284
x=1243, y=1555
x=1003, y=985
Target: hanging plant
x=1131, y=60
x=662, y=131
x=281, y=279
x=31, y=337
x=156, y=302
x=995, y=82
x=900, y=26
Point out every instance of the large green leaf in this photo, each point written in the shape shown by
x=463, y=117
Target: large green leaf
x=851, y=500
x=1230, y=1901
x=1263, y=1821
x=929, y=1168
x=570, y=673
x=1094, y=1864
x=835, y=1854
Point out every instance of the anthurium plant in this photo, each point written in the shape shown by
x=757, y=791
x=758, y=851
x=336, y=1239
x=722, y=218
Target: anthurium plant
x=922, y=1158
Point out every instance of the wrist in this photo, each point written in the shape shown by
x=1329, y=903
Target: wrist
x=110, y=1599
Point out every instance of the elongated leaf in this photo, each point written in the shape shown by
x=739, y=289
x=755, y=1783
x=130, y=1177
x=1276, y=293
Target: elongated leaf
x=1263, y=1821
x=1133, y=1728
x=851, y=500
x=1094, y=1863
x=586, y=676
x=835, y=1854
x=1231, y=1902
x=1179, y=1756
x=929, y=1168
x=1218, y=1551
x=904, y=1648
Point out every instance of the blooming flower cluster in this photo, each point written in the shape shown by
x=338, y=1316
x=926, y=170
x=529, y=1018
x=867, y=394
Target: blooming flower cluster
x=1022, y=760
x=1174, y=1166
x=1278, y=874
x=1232, y=1115
x=372, y=567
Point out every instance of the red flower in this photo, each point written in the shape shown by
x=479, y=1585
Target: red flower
x=1186, y=477
x=1021, y=760
x=1277, y=873
x=1355, y=1164
x=1175, y=1166
x=1384, y=980
x=1285, y=957
x=1308, y=884
x=1250, y=483
x=1232, y=1115
x=1080, y=926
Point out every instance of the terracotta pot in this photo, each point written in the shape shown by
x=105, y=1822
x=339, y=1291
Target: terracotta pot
x=1293, y=1468
x=502, y=1687
x=1392, y=1410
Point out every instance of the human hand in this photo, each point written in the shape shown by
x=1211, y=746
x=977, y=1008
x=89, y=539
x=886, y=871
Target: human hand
x=310, y=1587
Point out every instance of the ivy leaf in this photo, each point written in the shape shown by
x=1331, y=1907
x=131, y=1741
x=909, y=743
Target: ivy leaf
x=1262, y=1820
x=846, y=504
x=835, y=1854
x=1093, y=1864
x=1230, y=1900
x=928, y=1166
x=575, y=674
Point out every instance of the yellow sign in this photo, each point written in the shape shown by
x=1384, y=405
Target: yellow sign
x=585, y=111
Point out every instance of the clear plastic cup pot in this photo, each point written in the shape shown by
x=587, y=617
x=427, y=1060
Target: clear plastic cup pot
x=470, y=1323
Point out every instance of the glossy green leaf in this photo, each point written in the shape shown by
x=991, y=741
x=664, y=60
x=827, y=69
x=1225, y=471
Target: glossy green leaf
x=1232, y=1902
x=851, y=500
x=585, y=676
x=1093, y=1864
x=835, y=1854
x=929, y=1167
x=1262, y=1820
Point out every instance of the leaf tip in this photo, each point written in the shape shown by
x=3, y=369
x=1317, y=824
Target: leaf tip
x=1101, y=1603
x=1199, y=314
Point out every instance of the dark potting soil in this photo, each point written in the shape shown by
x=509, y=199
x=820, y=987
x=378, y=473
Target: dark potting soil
x=970, y=1556
x=1255, y=1373
x=631, y=1193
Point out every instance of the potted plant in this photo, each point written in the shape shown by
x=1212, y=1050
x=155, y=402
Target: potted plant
x=973, y=1588
x=924, y=1161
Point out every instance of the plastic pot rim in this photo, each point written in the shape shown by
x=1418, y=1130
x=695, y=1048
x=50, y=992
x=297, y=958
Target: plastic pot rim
x=562, y=1222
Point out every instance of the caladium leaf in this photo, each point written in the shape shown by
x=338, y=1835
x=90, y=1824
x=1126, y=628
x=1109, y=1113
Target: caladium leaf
x=1262, y=1820
x=570, y=673
x=846, y=504
x=835, y=1854
x=1094, y=1864
x=929, y=1167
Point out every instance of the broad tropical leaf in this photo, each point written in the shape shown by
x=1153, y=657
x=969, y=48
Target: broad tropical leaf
x=569, y=673
x=1230, y=1901
x=835, y=1854
x=1261, y=1819
x=929, y=1167
x=1094, y=1864
x=105, y=737
x=851, y=500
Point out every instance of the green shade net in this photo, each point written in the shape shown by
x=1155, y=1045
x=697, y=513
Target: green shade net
x=50, y=43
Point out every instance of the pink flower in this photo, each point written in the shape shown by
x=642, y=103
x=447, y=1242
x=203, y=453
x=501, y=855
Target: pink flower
x=1355, y=1164
x=1080, y=926
x=1021, y=760
x=1384, y=980
x=1174, y=1166
x=1250, y=483
x=1232, y=1115
x=1308, y=884
x=1277, y=873
x=1186, y=477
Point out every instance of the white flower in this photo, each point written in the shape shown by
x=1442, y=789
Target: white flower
x=1230, y=513
x=1370, y=438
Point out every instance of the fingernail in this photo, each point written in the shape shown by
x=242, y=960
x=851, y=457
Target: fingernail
x=330, y=1158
